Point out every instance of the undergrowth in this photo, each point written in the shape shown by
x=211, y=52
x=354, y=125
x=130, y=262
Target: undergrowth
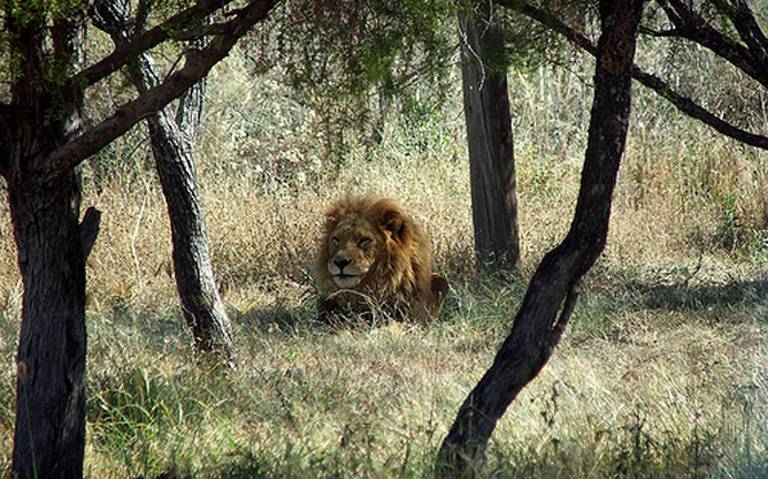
x=661, y=372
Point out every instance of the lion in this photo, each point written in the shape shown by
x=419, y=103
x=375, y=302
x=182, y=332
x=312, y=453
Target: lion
x=375, y=257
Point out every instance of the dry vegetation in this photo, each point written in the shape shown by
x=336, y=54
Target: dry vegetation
x=662, y=373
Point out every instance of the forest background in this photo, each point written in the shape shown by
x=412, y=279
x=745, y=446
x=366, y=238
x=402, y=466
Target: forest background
x=660, y=373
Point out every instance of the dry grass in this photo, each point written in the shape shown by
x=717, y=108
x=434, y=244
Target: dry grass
x=659, y=376
x=637, y=397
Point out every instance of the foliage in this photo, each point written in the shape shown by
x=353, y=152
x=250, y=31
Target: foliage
x=28, y=11
x=530, y=45
x=352, y=61
x=346, y=47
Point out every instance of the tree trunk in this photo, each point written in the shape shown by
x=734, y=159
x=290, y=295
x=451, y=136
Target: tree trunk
x=538, y=326
x=50, y=387
x=489, y=137
x=49, y=433
x=173, y=149
x=201, y=305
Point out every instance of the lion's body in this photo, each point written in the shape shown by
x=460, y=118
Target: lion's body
x=373, y=254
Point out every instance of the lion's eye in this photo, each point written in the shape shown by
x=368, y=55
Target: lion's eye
x=335, y=240
x=364, y=242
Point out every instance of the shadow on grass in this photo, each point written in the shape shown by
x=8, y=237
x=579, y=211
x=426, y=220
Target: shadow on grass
x=164, y=330
x=683, y=297
x=282, y=317
x=242, y=465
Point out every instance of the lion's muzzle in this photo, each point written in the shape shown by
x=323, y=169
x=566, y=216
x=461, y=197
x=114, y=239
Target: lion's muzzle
x=345, y=274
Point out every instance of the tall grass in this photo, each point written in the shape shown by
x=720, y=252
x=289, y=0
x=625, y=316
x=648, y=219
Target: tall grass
x=660, y=375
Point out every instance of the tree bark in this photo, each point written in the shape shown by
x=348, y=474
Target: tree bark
x=201, y=305
x=173, y=148
x=50, y=385
x=551, y=295
x=489, y=137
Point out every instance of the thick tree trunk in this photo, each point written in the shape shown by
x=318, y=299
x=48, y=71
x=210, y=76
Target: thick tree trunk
x=173, y=149
x=49, y=433
x=50, y=388
x=551, y=295
x=489, y=138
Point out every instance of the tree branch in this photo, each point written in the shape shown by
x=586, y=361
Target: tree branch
x=744, y=21
x=197, y=66
x=171, y=28
x=115, y=19
x=695, y=28
x=696, y=111
x=682, y=103
x=672, y=32
x=552, y=22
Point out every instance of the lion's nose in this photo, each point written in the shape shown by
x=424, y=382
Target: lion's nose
x=341, y=262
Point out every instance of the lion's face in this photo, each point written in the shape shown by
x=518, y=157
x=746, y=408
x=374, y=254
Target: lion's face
x=354, y=247
x=370, y=246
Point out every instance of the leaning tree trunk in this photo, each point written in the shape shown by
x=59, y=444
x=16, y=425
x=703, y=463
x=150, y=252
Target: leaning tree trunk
x=538, y=326
x=201, y=305
x=50, y=385
x=173, y=148
x=489, y=137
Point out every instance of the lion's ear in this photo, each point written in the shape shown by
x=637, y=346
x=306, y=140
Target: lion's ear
x=392, y=221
